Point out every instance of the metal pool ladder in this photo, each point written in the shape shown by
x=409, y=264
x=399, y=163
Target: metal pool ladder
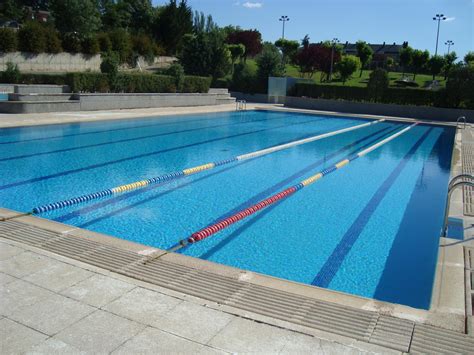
x=461, y=119
x=468, y=180
x=240, y=105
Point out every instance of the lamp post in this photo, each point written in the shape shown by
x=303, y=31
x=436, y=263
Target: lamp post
x=439, y=18
x=284, y=19
x=449, y=43
x=333, y=42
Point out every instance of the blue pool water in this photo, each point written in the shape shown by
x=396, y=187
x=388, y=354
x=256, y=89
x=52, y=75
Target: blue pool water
x=3, y=96
x=369, y=229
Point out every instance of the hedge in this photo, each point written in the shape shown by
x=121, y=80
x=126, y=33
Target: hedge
x=100, y=82
x=399, y=96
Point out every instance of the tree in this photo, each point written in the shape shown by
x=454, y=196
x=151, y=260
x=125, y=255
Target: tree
x=449, y=60
x=328, y=54
x=459, y=87
x=419, y=60
x=436, y=64
x=11, y=10
x=364, y=52
x=251, y=39
x=177, y=72
x=237, y=51
x=121, y=44
x=288, y=49
x=378, y=83
x=8, y=40
x=53, y=42
x=203, y=23
x=269, y=62
x=76, y=16
x=139, y=14
x=32, y=38
x=406, y=57
x=172, y=23
x=205, y=54
x=469, y=57
x=347, y=66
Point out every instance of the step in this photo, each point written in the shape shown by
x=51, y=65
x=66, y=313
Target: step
x=41, y=97
x=218, y=91
x=225, y=101
x=39, y=106
x=41, y=89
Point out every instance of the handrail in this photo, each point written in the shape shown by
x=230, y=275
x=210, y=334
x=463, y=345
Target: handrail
x=240, y=105
x=463, y=119
x=448, y=203
x=461, y=176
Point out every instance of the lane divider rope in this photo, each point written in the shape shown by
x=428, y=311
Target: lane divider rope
x=216, y=227
x=186, y=172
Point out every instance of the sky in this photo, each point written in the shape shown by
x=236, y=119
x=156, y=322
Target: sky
x=374, y=21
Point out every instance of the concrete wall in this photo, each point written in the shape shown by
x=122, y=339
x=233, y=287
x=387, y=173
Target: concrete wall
x=420, y=112
x=8, y=88
x=66, y=62
x=258, y=98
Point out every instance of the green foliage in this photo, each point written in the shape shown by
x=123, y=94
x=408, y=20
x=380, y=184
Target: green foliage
x=269, y=63
x=406, y=57
x=196, y=84
x=53, y=42
x=32, y=38
x=105, y=44
x=172, y=23
x=71, y=43
x=88, y=82
x=449, y=60
x=245, y=80
x=378, y=84
x=419, y=61
x=8, y=40
x=288, y=48
x=75, y=16
x=459, y=87
x=364, y=52
x=11, y=10
x=347, y=66
x=12, y=73
x=121, y=44
x=177, y=72
x=110, y=64
x=469, y=57
x=237, y=51
x=143, y=45
x=205, y=54
x=203, y=23
x=90, y=45
x=435, y=64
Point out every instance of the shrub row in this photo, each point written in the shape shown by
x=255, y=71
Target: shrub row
x=399, y=96
x=100, y=82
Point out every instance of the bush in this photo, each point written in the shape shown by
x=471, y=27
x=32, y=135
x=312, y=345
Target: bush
x=347, y=66
x=110, y=64
x=72, y=43
x=143, y=45
x=90, y=45
x=177, y=72
x=8, y=40
x=196, y=84
x=243, y=80
x=144, y=83
x=378, y=83
x=12, y=74
x=459, y=87
x=53, y=43
x=105, y=44
x=88, y=82
x=221, y=83
x=32, y=38
x=121, y=44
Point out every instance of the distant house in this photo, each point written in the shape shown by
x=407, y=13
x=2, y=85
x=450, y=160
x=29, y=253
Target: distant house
x=381, y=51
x=14, y=25
x=38, y=15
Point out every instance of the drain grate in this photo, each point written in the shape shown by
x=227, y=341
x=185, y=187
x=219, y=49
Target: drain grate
x=359, y=324
x=468, y=168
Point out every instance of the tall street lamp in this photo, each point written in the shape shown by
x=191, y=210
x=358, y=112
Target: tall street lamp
x=284, y=19
x=449, y=43
x=439, y=18
x=333, y=42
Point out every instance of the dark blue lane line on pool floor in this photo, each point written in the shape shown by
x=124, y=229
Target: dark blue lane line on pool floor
x=132, y=139
x=114, y=200
x=403, y=271
x=376, y=136
x=333, y=263
x=140, y=156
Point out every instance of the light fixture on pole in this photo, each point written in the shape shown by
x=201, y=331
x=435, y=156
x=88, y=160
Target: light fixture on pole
x=449, y=43
x=439, y=18
x=284, y=19
x=333, y=46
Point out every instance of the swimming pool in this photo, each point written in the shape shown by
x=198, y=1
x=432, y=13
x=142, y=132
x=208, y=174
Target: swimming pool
x=370, y=229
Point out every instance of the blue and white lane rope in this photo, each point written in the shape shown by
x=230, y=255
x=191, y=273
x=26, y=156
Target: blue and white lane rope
x=171, y=176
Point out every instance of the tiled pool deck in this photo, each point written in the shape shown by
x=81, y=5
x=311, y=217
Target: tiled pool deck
x=55, y=304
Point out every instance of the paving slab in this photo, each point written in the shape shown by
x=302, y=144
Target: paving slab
x=194, y=322
x=5, y=278
x=58, y=276
x=142, y=305
x=52, y=314
x=56, y=347
x=302, y=344
x=242, y=335
x=18, y=294
x=155, y=341
x=25, y=264
x=98, y=290
x=7, y=251
x=16, y=338
x=100, y=332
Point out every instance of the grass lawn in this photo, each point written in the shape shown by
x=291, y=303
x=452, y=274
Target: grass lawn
x=292, y=71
